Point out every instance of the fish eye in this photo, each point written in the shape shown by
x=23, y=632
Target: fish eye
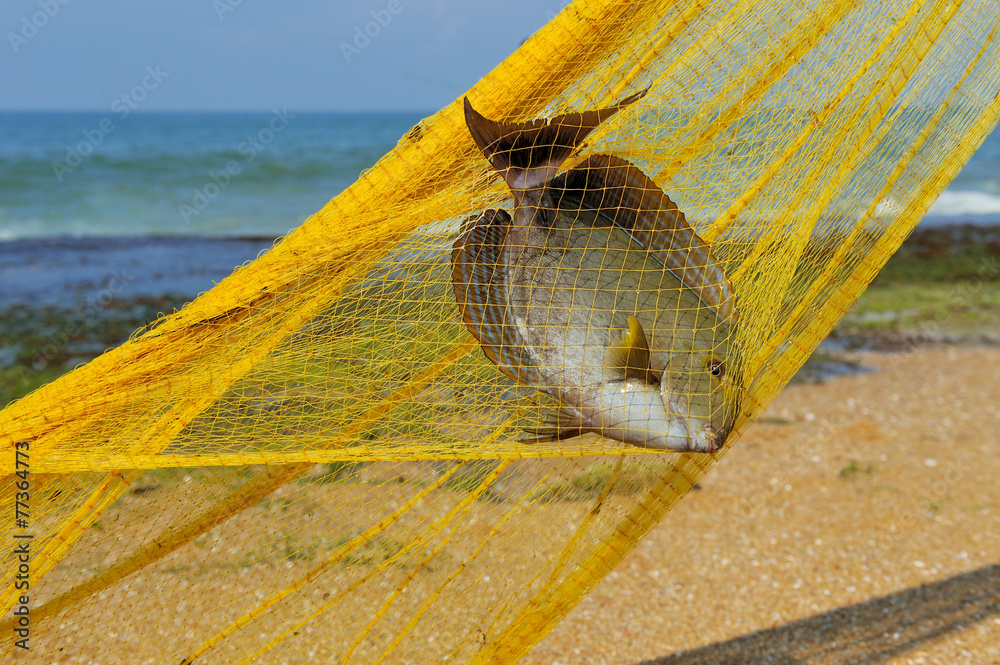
x=716, y=368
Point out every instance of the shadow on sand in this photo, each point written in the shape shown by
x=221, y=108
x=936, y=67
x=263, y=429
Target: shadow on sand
x=863, y=634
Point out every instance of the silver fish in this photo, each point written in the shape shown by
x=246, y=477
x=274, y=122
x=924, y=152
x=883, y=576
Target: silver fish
x=597, y=292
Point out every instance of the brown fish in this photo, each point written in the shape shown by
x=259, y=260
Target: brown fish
x=597, y=292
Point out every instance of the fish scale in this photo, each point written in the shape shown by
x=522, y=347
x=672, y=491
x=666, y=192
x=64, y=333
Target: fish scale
x=570, y=310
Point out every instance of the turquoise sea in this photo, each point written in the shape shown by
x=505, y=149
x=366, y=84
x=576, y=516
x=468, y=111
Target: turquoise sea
x=206, y=174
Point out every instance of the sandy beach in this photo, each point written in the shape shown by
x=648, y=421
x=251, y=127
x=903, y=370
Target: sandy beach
x=857, y=522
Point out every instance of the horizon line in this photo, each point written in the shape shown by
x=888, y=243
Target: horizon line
x=254, y=110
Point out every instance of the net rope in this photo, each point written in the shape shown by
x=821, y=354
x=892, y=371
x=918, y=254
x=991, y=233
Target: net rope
x=318, y=460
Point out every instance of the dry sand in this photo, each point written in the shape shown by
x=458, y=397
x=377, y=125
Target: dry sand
x=857, y=522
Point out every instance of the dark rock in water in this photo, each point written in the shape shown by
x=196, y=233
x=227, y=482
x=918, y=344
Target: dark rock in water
x=896, y=341
x=827, y=362
x=67, y=300
x=935, y=241
x=74, y=272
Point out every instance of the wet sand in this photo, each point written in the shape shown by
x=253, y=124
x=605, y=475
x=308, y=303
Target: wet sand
x=857, y=522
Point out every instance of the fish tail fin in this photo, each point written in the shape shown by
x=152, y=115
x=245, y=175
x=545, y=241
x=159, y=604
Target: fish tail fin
x=559, y=423
x=528, y=154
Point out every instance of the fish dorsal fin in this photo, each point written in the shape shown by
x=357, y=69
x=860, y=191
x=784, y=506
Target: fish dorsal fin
x=481, y=292
x=528, y=154
x=628, y=358
x=614, y=187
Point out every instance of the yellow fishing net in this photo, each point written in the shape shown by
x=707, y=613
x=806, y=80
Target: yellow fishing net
x=316, y=462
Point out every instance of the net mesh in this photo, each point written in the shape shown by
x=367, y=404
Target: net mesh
x=316, y=461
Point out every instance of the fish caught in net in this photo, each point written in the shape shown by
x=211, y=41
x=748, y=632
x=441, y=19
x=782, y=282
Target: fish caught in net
x=585, y=255
x=428, y=421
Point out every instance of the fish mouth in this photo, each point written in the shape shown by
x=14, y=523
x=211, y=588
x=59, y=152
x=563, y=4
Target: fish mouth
x=713, y=440
x=699, y=438
x=692, y=434
x=707, y=440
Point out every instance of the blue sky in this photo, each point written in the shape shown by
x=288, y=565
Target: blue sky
x=255, y=55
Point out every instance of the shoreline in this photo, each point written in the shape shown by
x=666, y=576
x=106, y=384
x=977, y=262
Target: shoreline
x=67, y=300
x=69, y=271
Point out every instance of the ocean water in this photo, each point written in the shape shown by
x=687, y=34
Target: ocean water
x=246, y=175
x=201, y=174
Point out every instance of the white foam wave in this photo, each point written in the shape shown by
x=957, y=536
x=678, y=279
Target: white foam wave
x=952, y=204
